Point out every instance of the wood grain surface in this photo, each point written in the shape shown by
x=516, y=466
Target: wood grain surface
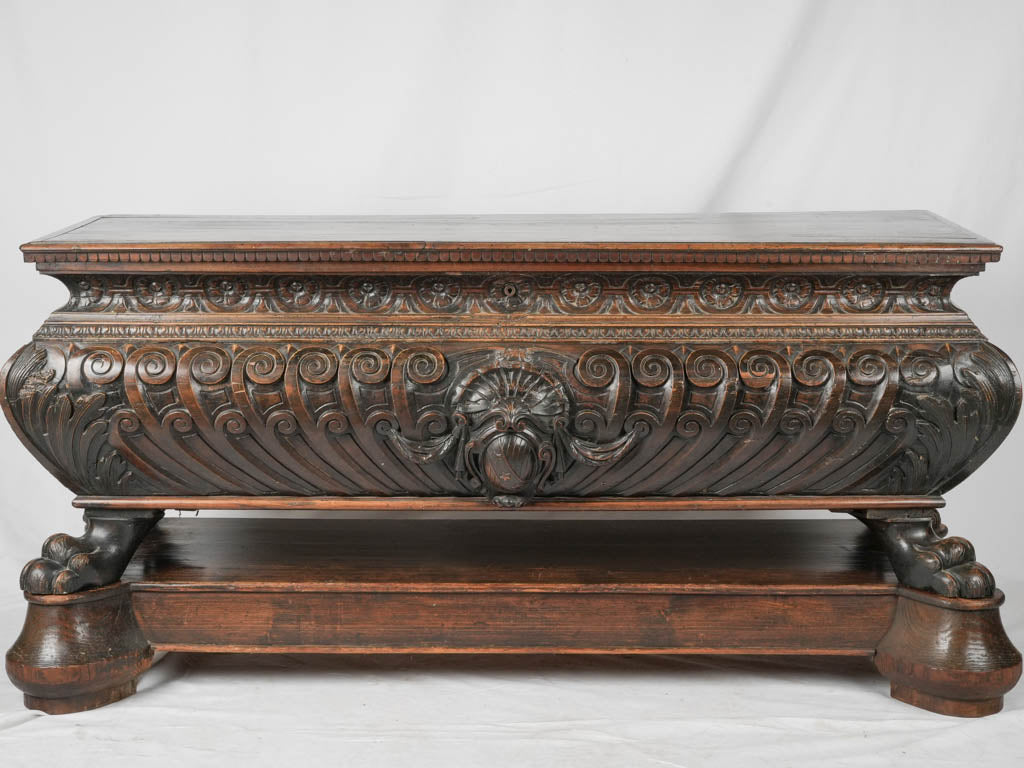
x=768, y=556
x=639, y=506
x=500, y=586
x=830, y=228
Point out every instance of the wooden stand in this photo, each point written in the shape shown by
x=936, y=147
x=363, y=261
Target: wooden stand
x=357, y=586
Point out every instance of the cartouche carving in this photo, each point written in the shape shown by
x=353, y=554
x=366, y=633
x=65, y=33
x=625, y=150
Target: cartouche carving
x=510, y=294
x=511, y=430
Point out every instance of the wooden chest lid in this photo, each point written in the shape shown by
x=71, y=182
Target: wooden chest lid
x=913, y=241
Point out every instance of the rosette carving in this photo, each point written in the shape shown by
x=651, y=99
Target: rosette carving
x=578, y=293
x=788, y=294
x=369, y=294
x=720, y=293
x=649, y=293
x=439, y=293
x=930, y=294
x=158, y=293
x=228, y=293
x=298, y=293
x=556, y=294
x=861, y=294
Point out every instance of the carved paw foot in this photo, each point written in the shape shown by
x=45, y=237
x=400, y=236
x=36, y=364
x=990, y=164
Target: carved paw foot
x=923, y=559
x=68, y=564
x=954, y=571
x=95, y=559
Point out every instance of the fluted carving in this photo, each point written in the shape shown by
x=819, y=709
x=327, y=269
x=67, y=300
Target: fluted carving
x=513, y=422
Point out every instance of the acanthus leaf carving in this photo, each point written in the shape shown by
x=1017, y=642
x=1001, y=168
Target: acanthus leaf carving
x=511, y=422
x=68, y=428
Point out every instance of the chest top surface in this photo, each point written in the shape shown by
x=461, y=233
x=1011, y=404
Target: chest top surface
x=917, y=240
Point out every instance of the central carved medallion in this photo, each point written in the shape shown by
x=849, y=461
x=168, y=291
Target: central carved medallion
x=512, y=414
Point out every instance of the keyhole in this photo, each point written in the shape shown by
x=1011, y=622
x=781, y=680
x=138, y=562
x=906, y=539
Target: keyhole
x=509, y=290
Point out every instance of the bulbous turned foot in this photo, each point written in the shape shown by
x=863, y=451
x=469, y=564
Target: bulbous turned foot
x=95, y=559
x=78, y=652
x=923, y=559
x=949, y=655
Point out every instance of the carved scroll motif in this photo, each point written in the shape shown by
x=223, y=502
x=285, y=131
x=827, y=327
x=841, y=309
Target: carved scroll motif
x=510, y=423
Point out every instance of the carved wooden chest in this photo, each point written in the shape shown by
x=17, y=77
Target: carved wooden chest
x=452, y=363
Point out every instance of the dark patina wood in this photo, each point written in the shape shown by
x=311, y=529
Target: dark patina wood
x=98, y=557
x=949, y=655
x=616, y=363
x=79, y=651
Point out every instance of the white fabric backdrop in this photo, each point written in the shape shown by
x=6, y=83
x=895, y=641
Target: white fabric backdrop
x=436, y=107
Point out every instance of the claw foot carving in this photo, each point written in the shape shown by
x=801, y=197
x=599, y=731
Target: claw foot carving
x=922, y=558
x=94, y=559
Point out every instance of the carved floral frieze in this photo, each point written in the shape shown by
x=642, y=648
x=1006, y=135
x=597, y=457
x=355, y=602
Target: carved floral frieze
x=566, y=294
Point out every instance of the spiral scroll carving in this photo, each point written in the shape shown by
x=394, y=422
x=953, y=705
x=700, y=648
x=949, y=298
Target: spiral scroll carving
x=511, y=423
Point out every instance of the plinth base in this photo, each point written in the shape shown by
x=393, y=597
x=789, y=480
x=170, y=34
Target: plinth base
x=794, y=587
